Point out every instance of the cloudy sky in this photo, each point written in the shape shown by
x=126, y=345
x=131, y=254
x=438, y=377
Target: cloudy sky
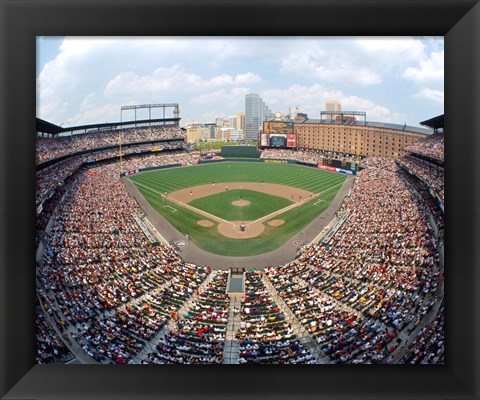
x=82, y=80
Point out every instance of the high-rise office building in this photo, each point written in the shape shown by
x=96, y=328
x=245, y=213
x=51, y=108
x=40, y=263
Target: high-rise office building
x=256, y=111
x=232, y=122
x=241, y=121
x=332, y=105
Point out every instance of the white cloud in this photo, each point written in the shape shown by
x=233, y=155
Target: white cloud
x=89, y=77
x=166, y=80
x=401, y=49
x=363, y=61
x=431, y=69
x=375, y=112
x=311, y=100
x=311, y=65
x=162, y=79
x=434, y=95
x=229, y=98
x=99, y=114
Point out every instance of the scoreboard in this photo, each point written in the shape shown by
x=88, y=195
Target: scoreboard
x=278, y=127
x=278, y=134
x=331, y=164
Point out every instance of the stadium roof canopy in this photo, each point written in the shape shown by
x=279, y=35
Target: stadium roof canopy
x=48, y=127
x=384, y=125
x=436, y=122
x=52, y=129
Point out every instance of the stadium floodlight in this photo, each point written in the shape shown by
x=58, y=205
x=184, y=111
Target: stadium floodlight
x=164, y=106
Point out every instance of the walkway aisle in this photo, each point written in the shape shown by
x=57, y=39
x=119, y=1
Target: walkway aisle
x=341, y=306
x=81, y=356
x=300, y=330
x=121, y=307
x=148, y=348
x=408, y=339
x=172, y=325
x=231, y=350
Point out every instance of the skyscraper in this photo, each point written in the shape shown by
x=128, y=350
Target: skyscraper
x=332, y=106
x=256, y=111
x=232, y=122
x=241, y=121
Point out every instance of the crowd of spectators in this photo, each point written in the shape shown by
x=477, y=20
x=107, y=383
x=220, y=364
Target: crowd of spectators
x=343, y=334
x=430, y=173
x=50, y=178
x=97, y=258
x=433, y=146
x=160, y=159
x=50, y=348
x=309, y=156
x=117, y=292
x=50, y=148
x=428, y=347
x=382, y=264
x=265, y=337
x=199, y=333
x=120, y=337
x=134, y=149
x=431, y=202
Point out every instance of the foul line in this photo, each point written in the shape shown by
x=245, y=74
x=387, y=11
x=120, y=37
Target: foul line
x=261, y=219
x=185, y=205
x=294, y=205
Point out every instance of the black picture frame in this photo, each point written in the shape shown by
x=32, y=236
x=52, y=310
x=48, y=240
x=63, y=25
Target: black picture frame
x=21, y=21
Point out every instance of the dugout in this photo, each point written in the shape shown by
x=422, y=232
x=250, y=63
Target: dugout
x=240, y=151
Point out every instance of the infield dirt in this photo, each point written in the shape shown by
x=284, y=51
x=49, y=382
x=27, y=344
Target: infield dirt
x=231, y=229
x=197, y=192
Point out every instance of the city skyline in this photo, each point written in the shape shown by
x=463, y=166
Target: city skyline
x=87, y=80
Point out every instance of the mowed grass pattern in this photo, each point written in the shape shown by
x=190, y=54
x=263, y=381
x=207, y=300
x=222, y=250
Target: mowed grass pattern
x=152, y=184
x=260, y=204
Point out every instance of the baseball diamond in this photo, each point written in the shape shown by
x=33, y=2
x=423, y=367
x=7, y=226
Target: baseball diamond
x=208, y=199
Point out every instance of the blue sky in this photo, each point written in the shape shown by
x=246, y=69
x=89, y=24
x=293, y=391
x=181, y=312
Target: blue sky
x=82, y=80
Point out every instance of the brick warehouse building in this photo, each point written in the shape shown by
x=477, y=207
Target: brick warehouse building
x=350, y=136
x=357, y=138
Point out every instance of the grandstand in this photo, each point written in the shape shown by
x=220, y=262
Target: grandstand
x=370, y=293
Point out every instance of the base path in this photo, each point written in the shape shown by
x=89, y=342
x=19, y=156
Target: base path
x=197, y=192
x=282, y=255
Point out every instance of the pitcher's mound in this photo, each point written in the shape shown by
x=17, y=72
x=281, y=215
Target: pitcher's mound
x=276, y=222
x=240, y=203
x=205, y=223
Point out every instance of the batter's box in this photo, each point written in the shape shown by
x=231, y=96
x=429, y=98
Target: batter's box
x=173, y=209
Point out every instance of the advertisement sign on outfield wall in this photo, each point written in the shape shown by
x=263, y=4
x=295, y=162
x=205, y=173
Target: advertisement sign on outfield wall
x=344, y=171
x=264, y=139
x=275, y=161
x=291, y=140
x=326, y=167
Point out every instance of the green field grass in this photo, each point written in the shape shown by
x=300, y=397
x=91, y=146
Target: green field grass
x=153, y=184
x=220, y=204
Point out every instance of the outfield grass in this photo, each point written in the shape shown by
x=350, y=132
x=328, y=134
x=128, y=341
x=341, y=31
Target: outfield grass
x=220, y=204
x=153, y=184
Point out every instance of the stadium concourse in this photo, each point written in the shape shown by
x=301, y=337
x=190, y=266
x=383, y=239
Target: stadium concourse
x=371, y=293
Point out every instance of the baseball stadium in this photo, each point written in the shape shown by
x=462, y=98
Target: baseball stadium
x=323, y=244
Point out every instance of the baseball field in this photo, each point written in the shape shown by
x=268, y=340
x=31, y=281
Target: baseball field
x=239, y=208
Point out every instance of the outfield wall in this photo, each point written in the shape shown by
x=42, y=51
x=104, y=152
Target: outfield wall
x=240, y=151
x=249, y=160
